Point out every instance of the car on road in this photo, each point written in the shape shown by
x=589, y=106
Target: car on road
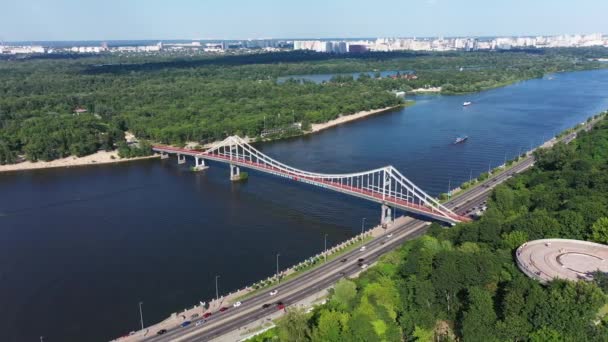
x=207, y=315
x=185, y=324
x=362, y=249
x=161, y=332
x=223, y=308
x=199, y=323
x=266, y=306
x=237, y=304
x=344, y=260
x=360, y=260
x=274, y=292
x=194, y=316
x=363, y=265
x=390, y=235
x=280, y=306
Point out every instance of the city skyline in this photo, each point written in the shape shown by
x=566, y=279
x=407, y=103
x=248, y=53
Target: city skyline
x=68, y=20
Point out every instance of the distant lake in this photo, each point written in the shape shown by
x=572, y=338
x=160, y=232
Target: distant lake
x=80, y=247
x=320, y=78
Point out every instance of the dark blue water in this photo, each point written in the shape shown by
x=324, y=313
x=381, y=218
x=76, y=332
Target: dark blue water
x=81, y=247
x=320, y=78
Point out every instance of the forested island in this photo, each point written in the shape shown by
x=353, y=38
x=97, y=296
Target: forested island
x=462, y=283
x=53, y=108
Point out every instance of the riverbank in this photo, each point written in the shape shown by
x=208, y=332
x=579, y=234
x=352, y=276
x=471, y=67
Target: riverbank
x=348, y=118
x=98, y=158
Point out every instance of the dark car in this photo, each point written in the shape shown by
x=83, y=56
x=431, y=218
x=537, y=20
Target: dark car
x=280, y=306
x=266, y=306
x=361, y=260
x=185, y=324
x=223, y=308
x=207, y=315
x=161, y=332
x=344, y=260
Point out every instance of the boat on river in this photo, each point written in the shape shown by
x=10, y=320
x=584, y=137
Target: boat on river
x=467, y=103
x=461, y=139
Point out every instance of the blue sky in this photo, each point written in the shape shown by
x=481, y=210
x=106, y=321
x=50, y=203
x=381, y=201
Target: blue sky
x=241, y=19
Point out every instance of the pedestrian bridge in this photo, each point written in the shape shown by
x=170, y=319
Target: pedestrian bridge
x=385, y=185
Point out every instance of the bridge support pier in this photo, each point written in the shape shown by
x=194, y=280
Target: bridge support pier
x=199, y=164
x=235, y=173
x=164, y=155
x=181, y=159
x=386, y=217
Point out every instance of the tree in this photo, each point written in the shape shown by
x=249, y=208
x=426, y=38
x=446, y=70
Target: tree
x=546, y=335
x=599, y=230
x=293, y=327
x=332, y=326
x=344, y=292
x=514, y=239
x=479, y=318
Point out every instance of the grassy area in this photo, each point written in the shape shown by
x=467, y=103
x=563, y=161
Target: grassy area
x=268, y=335
x=306, y=268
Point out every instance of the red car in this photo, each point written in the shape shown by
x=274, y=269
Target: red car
x=207, y=315
x=223, y=308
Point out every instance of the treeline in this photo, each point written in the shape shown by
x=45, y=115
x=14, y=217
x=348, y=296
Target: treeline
x=56, y=136
x=175, y=100
x=462, y=283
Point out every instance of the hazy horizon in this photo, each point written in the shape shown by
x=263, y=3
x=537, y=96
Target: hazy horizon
x=96, y=20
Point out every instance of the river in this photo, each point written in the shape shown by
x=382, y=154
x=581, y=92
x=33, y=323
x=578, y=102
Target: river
x=81, y=247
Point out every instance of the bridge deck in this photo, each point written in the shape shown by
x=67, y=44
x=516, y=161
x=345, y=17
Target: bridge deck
x=361, y=192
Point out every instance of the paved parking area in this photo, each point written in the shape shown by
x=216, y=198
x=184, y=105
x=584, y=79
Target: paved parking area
x=547, y=259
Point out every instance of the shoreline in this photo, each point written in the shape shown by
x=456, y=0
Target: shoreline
x=105, y=157
x=348, y=118
x=98, y=158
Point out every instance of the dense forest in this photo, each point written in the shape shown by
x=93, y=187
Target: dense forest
x=175, y=100
x=462, y=283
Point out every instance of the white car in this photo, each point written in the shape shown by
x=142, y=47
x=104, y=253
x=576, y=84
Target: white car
x=273, y=293
x=363, y=265
x=237, y=304
x=362, y=249
x=198, y=323
x=390, y=235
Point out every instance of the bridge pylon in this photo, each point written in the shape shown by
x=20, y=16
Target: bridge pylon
x=386, y=216
x=199, y=164
x=235, y=173
x=181, y=159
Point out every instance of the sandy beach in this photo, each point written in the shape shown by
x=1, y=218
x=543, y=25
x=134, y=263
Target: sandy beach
x=426, y=90
x=346, y=118
x=101, y=157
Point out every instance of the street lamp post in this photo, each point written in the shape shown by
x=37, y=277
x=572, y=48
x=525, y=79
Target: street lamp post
x=325, y=252
x=141, y=316
x=217, y=293
x=362, y=225
x=449, y=187
x=278, y=254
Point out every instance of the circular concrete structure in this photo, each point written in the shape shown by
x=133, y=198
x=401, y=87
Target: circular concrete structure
x=547, y=259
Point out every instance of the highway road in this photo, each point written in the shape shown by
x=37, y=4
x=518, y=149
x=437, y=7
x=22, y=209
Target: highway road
x=325, y=275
